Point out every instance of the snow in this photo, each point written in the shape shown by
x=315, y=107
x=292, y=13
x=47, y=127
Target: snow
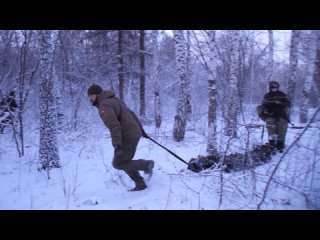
x=87, y=180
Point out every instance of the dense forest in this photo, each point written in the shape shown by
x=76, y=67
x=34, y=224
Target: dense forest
x=206, y=82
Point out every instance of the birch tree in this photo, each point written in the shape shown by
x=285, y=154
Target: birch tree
x=188, y=78
x=212, y=94
x=232, y=91
x=316, y=77
x=252, y=63
x=49, y=154
x=155, y=77
x=26, y=77
x=120, y=64
x=311, y=45
x=270, y=57
x=180, y=117
x=142, y=75
x=294, y=45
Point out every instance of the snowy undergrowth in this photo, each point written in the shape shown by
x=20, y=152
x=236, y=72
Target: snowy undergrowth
x=88, y=181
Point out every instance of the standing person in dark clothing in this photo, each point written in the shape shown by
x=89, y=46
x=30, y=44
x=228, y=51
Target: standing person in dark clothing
x=275, y=111
x=7, y=107
x=126, y=131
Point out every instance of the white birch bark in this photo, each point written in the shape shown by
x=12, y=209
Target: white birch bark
x=212, y=95
x=155, y=77
x=180, y=117
x=49, y=153
x=312, y=52
x=294, y=45
x=270, y=57
x=188, y=79
x=232, y=91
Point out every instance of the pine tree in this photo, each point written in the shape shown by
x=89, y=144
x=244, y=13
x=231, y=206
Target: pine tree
x=180, y=118
x=49, y=153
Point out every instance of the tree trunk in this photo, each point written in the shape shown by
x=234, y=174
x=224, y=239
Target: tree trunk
x=180, y=118
x=232, y=91
x=49, y=154
x=251, y=80
x=270, y=57
x=120, y=66
x=142, y=75
x=316, y=76
x=60, y=114
x=155, y=77
x=23, y=57
x=24, y=88
x=312, y=51
x=188, y=79
x=212, y=94
x=294, y=45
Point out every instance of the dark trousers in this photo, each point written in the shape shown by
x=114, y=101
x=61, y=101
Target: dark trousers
x=122, y=160
x=277, y=129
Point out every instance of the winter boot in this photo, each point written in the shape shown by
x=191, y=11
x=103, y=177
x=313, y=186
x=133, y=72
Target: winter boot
x=280, y=146
x=273, y=146
x=272, y=143
x=140, y=185
x=149, y=168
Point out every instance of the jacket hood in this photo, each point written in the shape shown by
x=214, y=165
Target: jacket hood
x=106, y=94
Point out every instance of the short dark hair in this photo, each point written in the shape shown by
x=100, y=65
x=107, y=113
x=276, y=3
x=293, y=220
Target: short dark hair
x=94, y=89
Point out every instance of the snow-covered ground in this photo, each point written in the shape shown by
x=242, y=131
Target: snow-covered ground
x=87, y=179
